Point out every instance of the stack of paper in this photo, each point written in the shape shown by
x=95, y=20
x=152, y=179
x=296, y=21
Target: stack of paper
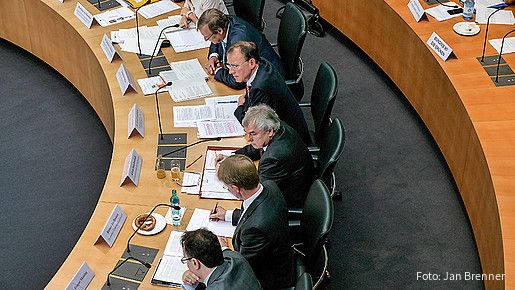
x=200, y=219
x=170, y=268
x=211, y=186
x=173, y=20
x=114, y=16
x=188, y=80
x=508, y=47
x=150, y=85
x=500, y=17
x=440, y=12
x=213, y=129
x=187, y=40
x=128, y=39
x=216, y=109
x=158, y=8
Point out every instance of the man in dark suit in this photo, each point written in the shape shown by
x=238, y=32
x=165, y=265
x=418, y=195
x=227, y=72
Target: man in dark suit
x=282, y=155
x=264, y=86
x=223, y=31
x=261, y=234
x=209, y=268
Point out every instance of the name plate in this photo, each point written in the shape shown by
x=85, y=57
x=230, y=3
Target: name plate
x=113, y=226
x=84, y=15
x=108, y=48
x=416, y=9
x=62, y=1
x=125, y=80
x=132, y=168
x=82, y=278
x=136, y=122
x=439, y=46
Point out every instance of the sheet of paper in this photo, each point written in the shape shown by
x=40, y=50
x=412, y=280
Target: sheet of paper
x=211, y=156
x=114, y=16
x=189, y=179
x=150, y=85
x=158, y=8
x=188, y=69
x=170, y=21
x=188, y=116
x=509, y=45
x=488, y=3
x=145, y=32
x=183, y=90
x=440, y=12
x=213, y=129
x=148, y=46
x=173, y=246
x=500, y=17
x=222, y=100
x=170, y=270
x=186, y=40
x=200, y=219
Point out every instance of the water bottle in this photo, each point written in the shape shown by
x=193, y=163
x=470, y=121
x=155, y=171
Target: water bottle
x=468, y=9
x=176, y=209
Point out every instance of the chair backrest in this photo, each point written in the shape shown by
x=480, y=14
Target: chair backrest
x=304, y=282
x=323, y=96
x=290, y=39
x=251, y=11
x=316, y=222
x=331, y=148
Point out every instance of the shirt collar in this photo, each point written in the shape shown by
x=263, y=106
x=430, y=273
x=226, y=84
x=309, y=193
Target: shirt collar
x=253, y=76
x=227, y=33
x=250, y=200
x=209, y=276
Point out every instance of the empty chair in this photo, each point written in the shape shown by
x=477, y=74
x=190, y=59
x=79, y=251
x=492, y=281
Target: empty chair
x=290, y=39
x=331, y=149
x=323, y=95
x=251, y=11
x=317, y=220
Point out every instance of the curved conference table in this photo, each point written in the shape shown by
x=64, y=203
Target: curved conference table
x=472, y=121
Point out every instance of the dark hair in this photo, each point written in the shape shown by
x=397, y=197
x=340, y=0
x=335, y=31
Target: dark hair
x=214, y=19
x=247, y=48
x=238, y=170
x=204, y=246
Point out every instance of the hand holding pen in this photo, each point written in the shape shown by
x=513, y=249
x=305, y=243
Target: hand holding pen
x=218, y=213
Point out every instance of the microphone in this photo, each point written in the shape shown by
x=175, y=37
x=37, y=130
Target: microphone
x=137, y=24
x=193, y=144
x=486, y=32
x=155, y=47
x=157, y=106
x=499, y=58
x=139, y=227
x=124, y=261
x=452, y=6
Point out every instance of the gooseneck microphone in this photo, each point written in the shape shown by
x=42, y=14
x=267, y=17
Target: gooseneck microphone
x=137, y=24
x=123, y=262
x=157, y=106
x=155, y=47
x=486, y=32
x=446, y=5
x=499, y=58
x=192, y=144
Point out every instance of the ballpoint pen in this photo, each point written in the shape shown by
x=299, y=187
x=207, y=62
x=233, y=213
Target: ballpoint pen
x=193, y=162
x=214, y=211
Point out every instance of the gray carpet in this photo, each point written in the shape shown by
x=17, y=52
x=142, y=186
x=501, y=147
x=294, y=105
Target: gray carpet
x=54, y=156
x=401, y=213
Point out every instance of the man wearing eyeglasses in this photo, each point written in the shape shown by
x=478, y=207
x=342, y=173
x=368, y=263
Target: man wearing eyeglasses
x=223, y=31
x=261, y=234
x=264, y=86
x=210, y=268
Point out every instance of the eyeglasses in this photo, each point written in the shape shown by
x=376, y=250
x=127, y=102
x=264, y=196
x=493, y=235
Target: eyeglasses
x=184, y=260
x=234, y=66
x=209, y=37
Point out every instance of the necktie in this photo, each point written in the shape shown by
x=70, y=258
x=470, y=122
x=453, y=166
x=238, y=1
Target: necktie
x=223, y=51
x=201, y=286
x=247, y=91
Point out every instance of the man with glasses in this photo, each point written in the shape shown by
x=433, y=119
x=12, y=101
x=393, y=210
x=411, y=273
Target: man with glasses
x=264, y=86
x=261, y=234
x=210, y=268
x=223, y=31
x=283, y=157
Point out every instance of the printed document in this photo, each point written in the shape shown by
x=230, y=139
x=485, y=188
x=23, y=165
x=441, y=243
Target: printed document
x=440, y=12
x=187, y=40
x=211, y=186
x=213, y=129
x=150, y=85
x=500, y=17
x=200, y=219
x=170, y=268
x=183, y=90
x=508, y=47
x=158, y=8
x=114, y=16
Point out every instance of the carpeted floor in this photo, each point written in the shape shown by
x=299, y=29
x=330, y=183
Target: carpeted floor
x=401, y=212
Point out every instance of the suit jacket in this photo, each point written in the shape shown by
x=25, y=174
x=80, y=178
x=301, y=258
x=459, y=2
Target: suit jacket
x=234, y=273
x=269, y=88
x=287, y=162
x=241, y=30
x=261, y=236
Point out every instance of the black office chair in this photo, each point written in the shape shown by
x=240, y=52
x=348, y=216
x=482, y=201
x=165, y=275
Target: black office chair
x=251, y=11
x=290, y=39
x=323, y=95
x=304, y=282
x=317, y=220
x=331, y=149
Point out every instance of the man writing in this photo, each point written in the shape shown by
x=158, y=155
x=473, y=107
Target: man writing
x=223, y=31
x=261, y=234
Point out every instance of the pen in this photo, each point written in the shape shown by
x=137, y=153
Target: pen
x=214, y=210
x=198, y=158
x=227, y=102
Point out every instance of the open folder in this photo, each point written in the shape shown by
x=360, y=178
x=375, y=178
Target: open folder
x=170, y=268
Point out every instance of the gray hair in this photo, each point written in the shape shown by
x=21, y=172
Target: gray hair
x=263, y=117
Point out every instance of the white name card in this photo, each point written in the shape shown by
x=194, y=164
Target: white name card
x=416, y=9
x=125, y=79
x=439, y=46
x=136, y=122
x=131, y=168
x=108, y=48
x=113, y=226
x=82, y=278
x=84, y=15
x=62, y=1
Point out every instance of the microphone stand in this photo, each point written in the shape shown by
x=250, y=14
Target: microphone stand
x=486, y=32
x=137, y=24
x=124, y=261
x=155, y=47
x=98, y=2
x=499, y=59
x=187, y=146
x=158, y=112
